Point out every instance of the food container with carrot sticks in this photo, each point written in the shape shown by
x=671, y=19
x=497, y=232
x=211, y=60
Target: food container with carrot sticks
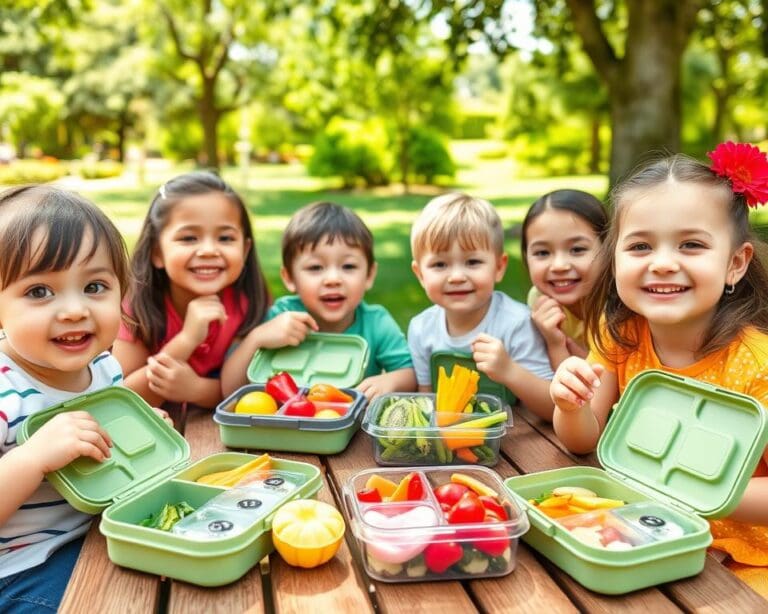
x=408, y=430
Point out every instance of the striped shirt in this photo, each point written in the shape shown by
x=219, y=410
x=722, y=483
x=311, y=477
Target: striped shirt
x=45, y=521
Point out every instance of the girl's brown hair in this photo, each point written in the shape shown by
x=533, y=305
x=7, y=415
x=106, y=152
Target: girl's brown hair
x=65, y=218
x=149, y=285
x=747, y=306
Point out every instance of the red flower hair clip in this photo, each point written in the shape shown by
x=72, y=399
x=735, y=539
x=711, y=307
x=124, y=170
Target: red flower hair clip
x=746, y=167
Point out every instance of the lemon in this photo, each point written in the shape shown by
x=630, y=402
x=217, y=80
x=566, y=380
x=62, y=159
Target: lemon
x=327, y=414
x=307, y=533
x=256, y=403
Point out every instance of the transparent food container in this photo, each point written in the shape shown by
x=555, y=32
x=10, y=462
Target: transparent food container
x=412, y=541
x=404, y=428
x=677, y=451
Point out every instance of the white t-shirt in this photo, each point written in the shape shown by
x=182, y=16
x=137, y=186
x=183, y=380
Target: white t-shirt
x=506, y=319
x=46, y=521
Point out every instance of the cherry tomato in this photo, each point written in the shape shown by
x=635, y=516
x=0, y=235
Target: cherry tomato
x=468, y=509
x=450, y=493
x=493, y=509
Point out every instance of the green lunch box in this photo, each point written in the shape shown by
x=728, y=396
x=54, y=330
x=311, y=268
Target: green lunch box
x=676, y=450
x=149, y=467
x=485, y=385
x=323, y=358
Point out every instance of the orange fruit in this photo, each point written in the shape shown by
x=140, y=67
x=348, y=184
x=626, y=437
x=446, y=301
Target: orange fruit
x=256, y=402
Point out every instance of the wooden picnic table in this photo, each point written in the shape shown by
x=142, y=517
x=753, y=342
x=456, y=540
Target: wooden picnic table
x=535, y=585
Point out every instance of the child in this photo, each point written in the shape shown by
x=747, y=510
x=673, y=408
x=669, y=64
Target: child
x=682, y=289
x=560, y=237
x=328, y=262
x=458, y=256
x=63, y=268
x=197, y=286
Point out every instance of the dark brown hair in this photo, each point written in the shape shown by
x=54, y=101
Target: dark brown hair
x=65, y=218
x=325, y=221
x=583, y=204
x=747, y=306
x=150, y=285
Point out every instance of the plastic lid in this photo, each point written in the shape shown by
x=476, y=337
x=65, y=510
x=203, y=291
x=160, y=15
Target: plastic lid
x=144, y=449
x=485, y=385
x=327, y=358
x=692, y=444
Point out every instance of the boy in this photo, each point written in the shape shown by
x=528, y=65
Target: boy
x=457, y=244
x=328, y=263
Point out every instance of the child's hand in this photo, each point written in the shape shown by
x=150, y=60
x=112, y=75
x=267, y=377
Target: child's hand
x=375, y=386
x=164, y=415
x=575, y=383
x=172, y=379
x=201, y=311
x=287, y=328
x=66, y=437
x=547, y=314
x=490, y=357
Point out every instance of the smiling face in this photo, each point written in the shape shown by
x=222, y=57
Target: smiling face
x=202, y=247
x=561, y=249
x=675, y=254
x=331, y=279
x=461, y=281
x=56, y=322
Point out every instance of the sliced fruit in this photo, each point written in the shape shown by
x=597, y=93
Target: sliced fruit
x=573, y=490
x=595, y=503
x=556, y=501
x=473, y=484
x=385, y=487
x=401, y=493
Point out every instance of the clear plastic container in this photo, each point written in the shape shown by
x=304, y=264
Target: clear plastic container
x=419, y=439
x=412, y=541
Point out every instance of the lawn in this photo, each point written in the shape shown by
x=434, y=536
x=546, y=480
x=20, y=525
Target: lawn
x=273, y=193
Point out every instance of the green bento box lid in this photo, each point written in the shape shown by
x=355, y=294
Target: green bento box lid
x=145, y=449
x=328, y=358
x=693, y=444
x=485, y=385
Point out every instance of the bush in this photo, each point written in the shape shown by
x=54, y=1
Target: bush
x=31, y=171
x=428, y=155
x=346, y=150
x=101, y=169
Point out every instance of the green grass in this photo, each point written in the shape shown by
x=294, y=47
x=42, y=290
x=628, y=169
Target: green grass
x=273, y=193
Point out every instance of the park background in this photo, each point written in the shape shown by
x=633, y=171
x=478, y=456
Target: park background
x=376, y=105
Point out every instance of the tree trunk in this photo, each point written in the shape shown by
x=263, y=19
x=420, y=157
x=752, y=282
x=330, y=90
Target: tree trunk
x=644, y=85
x=594, y=149
x=209, y=117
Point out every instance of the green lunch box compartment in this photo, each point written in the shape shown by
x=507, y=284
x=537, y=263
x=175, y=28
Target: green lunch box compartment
x=485, y=385
x=322, y=358
x=288, y=433
x=687, y=445
x=149, y=467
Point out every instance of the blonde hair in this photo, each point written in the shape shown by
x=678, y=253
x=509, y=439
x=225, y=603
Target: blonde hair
x=452, y=217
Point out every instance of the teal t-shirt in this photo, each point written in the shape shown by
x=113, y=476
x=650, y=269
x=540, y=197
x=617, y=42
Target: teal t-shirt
x=387, y=347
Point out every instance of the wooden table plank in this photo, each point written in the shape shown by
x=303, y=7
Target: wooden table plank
x=97, y=585
x=202, y=434
x=714, y=585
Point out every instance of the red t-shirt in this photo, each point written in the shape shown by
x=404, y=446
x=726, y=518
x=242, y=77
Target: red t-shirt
x=209, y=355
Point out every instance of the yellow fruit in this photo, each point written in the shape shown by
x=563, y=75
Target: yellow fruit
x=256, y=403
x=327, y=413
x=473, y=484
x=307, y=533
x=385, y=487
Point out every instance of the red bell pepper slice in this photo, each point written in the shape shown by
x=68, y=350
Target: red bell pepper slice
x=490, y=537
x=468, y=509
x=281, y=387
x=493, y=508
x=299, y=406
x=439, y=556
x=415, y=488
x=326, y=393
x=369, y=495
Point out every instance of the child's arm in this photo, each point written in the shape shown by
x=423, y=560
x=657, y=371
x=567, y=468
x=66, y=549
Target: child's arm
x=399, y=380
x=492, y=359
x=548, y=315
x=753, y=508
x=287, y=328
x=59, y=441
x=583, y=395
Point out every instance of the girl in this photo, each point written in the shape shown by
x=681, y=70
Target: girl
x=59, y=313
x=561, y=234
x=684, y=288
x=197, y=286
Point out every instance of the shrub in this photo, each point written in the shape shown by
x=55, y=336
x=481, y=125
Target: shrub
x=428, y=155
x=31, y=171
x=101, y=169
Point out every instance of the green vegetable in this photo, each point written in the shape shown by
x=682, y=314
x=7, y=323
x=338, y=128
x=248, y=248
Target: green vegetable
x=384, y=568
x=168, y=516
x=501, y=563
x=473, y=561
x=416, y=567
